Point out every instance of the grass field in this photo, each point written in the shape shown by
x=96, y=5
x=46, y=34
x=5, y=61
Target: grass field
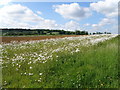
x=71, y=62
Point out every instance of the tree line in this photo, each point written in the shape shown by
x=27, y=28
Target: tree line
x=20, y=32
x=16, y=32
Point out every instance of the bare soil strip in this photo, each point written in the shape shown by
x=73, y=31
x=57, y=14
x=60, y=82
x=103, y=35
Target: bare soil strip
x=29, y=38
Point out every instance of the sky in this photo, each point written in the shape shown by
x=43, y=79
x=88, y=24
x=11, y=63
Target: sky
x=99, y=16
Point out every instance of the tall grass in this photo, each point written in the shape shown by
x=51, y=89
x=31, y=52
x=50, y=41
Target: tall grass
x=95, y=66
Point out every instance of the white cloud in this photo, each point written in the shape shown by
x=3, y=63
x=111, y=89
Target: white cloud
x=72, y=11
x=4, y=2
x=114, y=29
x=104, y=22
x=87, y=24
x=38, y=12
x=17, y=15
x=95, y=25
x=107, y=7
x=107, y=21
x=72, y=25
x=47, y=24
x=105, y=25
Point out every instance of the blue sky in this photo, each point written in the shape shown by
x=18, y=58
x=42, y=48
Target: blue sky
x=98, y=16
x=48, y=11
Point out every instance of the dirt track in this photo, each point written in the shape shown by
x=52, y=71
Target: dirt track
x=29, y=38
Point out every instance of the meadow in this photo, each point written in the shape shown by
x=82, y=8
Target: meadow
x=71, y=62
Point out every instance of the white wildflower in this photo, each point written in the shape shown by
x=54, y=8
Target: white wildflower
x=40, y=73
x=77, y=50
x=30, y=74
x=25, y=73
x=30, y=67
x=39, y=80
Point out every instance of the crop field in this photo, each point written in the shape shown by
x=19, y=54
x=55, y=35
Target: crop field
x=69, y=62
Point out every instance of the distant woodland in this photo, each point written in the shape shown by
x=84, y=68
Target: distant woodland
x=20, y=32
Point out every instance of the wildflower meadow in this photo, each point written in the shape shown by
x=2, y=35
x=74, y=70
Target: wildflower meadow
x=71, y=62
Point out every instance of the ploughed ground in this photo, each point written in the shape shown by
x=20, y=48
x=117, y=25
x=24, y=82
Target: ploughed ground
x=9, y=39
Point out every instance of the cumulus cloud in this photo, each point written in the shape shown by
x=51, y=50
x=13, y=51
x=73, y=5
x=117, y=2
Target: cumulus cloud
x=72, y=25
x=46, y=24
x=104, y=22
x=17, y=15
x=107, y=7
x=5, y=2
x=105, y=25
x=38, y=12
x=72, y=11
x=87, y=24
x=107, y=21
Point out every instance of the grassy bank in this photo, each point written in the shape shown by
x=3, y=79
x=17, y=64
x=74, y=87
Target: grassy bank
x=93, y=66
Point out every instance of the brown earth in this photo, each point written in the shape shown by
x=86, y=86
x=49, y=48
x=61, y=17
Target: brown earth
x=29, y=38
